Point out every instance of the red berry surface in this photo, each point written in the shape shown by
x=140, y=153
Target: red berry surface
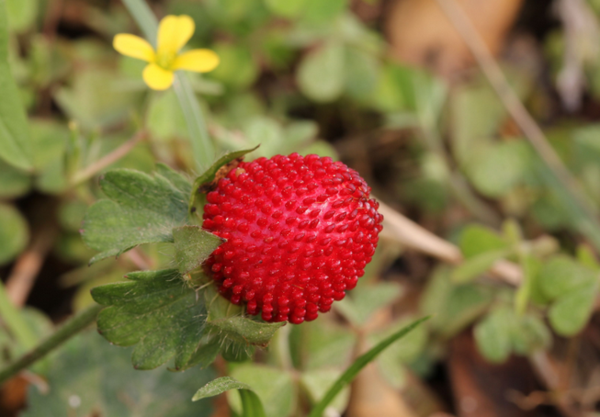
x=299, y=232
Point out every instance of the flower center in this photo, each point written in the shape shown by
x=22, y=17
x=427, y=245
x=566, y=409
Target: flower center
x=165, y=59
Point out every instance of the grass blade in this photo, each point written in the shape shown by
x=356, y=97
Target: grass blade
x=358, y=365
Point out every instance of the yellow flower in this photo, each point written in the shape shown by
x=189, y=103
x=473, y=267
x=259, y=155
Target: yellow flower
x=173, y=33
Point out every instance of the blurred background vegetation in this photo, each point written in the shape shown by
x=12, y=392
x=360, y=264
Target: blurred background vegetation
x=391, y=88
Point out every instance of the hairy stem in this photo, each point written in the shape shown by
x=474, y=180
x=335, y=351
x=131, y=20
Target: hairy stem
x=68, y=330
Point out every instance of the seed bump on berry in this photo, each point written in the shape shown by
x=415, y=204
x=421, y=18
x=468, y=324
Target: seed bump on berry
x=299, y=231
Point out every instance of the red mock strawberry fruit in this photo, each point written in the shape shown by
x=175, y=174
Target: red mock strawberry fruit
x=299, y=232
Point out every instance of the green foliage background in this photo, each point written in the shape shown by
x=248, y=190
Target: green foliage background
x=305, y=76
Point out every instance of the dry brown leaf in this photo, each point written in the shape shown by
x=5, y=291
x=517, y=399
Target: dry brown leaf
x=420, y=33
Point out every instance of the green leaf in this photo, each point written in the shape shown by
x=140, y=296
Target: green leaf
x=286, y=8
x=203, y=182
x=530, y=334
x=348, y=376
x=473, y=267
x=91, y=377
x=165, y=119
x=476, y=239
x=362, y=74
x=156, y=312
x=266, y=132
x=496, y=169
x=21, y=14
x=95, y=99
x=586, y=256
x=561, y=275
x=453, y=307
x=15, y=140
x=322, y=12
x=571, y=312
x=219, y=386
x=273, y=387
x=361, y=305
x=140, y=209
x=14, y=182
x=316, y=383
x=237, y=68
x=321, y=74
x=493, y=335
x=470, y=132
x=193, y=246
x=321, y=344
x=14, y=233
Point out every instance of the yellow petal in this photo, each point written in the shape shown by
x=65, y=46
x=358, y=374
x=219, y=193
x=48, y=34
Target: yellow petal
x=199, y=60
x=174, y=32
x=133, y=46
x=157, y=78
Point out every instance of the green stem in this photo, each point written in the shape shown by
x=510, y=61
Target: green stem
x=68, y=330
x=144, y=17
x=202, y=146
x=358, y=365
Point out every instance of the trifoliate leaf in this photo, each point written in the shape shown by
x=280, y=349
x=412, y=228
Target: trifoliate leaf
x=156, y=312
x=139, y=209
x=193, y=246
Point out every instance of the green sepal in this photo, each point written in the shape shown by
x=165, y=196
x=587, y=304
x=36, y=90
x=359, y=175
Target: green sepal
x=193, y=246
x=203, y=183
x=229, y=323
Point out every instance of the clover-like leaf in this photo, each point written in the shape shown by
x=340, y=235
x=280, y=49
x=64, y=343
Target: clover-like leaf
x=139, y=209
x=157, y=312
